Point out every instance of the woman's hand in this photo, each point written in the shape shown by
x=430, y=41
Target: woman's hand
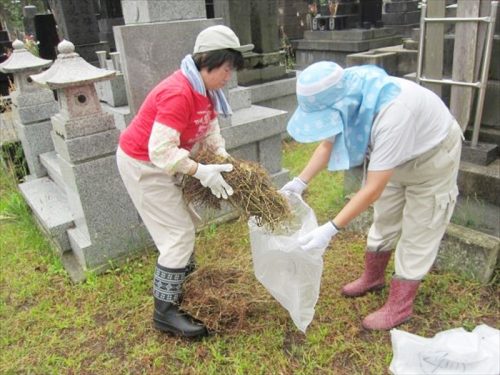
x=210, y=176
x=294, y=186
x=319, y=238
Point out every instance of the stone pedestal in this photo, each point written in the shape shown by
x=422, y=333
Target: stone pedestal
x=92, y=218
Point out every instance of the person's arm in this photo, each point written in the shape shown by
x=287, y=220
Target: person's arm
x=321, y=236
x=165, y=153
x=376, y=182
x=213, y=140
x=318, y=162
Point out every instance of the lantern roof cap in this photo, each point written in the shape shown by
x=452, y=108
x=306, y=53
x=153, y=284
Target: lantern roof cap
x=22, y=59
x=69, y=69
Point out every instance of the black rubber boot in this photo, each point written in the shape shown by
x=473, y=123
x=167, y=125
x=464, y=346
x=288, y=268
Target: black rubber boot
x=191, y=266
x=167, y=316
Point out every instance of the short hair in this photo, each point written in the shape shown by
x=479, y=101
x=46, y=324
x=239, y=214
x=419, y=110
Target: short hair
x=214, y=59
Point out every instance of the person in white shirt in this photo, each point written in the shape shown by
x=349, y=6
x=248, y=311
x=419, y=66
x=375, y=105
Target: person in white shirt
x=411, y=145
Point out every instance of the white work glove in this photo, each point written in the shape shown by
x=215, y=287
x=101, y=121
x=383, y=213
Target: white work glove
x=210, y=176
x=295, y=186
x=318, y=238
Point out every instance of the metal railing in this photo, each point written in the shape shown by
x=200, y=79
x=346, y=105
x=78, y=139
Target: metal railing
x=486, y=58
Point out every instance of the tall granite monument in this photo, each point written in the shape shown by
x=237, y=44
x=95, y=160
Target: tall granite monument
x=77, y=21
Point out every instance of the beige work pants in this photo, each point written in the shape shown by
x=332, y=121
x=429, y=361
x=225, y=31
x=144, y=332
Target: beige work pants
x=159, y=201
x=416, y=207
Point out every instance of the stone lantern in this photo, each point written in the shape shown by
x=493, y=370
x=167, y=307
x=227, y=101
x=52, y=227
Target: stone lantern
x=106, y=224
x=32, y=106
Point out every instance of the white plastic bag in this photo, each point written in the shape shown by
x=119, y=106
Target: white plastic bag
x=290, y=274
x=455, y=351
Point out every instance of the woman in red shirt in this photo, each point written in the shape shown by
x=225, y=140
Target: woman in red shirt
x=176, y=120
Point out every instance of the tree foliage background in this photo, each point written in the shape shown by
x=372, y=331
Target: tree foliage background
x=11, y=14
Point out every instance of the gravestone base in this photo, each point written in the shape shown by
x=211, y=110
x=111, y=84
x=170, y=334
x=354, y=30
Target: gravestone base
x=262, y=67
x=395, y=60
x=102, y=232
x=335, y=45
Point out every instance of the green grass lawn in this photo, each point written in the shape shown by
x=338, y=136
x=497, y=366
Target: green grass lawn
x=48, y=325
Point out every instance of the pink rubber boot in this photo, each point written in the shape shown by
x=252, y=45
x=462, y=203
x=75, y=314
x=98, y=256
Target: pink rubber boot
x=373, y=277
x=397, y=309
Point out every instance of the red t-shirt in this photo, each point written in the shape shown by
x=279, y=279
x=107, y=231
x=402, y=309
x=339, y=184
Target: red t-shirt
x=172, y=102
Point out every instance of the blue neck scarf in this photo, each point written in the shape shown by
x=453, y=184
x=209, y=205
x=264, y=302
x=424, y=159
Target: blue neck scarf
x=189, y=69
x=345, y=109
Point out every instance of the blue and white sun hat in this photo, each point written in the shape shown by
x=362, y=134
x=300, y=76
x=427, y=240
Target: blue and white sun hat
x=342, y=103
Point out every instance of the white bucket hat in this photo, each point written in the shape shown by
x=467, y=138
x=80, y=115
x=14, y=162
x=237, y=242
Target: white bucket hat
x=219, y=37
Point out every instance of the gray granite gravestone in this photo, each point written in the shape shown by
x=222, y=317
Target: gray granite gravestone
x=146, y=11
x=77, y=21
x=110, y=15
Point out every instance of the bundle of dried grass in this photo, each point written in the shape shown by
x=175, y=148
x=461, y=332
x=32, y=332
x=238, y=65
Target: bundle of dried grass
x=254, y=194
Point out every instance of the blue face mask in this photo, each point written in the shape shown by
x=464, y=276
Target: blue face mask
x=341, y=103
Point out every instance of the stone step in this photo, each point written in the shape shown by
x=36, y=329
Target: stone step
x=469, y=252
x=239, y=97
x=487, y=134
x=271, y=90
x=477, y=214
x=253, y=124
x=481, y=182
x=51, y=209
x=50, y=161
x=463, y=250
